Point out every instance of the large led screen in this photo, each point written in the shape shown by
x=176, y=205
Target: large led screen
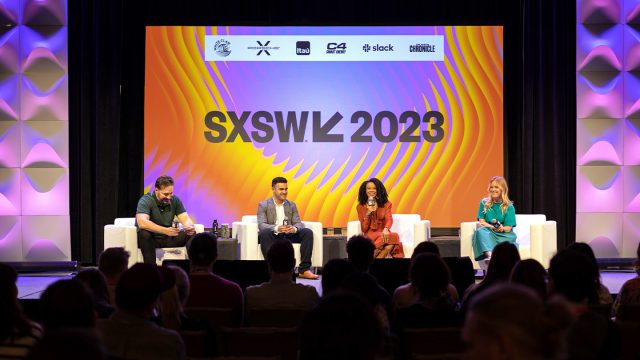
x=229, y=108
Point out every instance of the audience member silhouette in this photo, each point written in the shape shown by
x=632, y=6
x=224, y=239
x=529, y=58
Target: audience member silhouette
x=333, y=274
x=280, y=291
x=360, y=253
x=342, y=327
x=208, y=289
x=510, y=321
x=366, y=286
x=129, y=333
x=530, y=273
x=434, y=306
x=591, y=336
x=112, y=262
x=504, y=257
x=18, y=334
x=407, y=295
x=95, y=282
x=604, y=296
x=65, y=304
x=69, y=343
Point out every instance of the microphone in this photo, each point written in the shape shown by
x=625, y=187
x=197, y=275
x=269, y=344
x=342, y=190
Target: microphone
x=496, y=223
x=285, y=222
x=371, y=201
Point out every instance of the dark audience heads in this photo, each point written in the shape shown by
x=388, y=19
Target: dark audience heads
x=66, y=304
x=360, y=252
x=333, y=274
x=12, y=319
x=504, y=257
x=587, y=251
x=95, y=283
x=69, y=343
x=140, y=286
x=530, y=273
x=182, y=282
x=280, y=257
x=113, y=262
x=574, y=276
x=342, y=326
x=426, y=247
x=509, y=321
x=430, y=275
x=203, y=250
x=363, y=284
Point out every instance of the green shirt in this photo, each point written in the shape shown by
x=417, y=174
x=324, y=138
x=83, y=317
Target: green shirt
x=507, y=218
x=159, y=213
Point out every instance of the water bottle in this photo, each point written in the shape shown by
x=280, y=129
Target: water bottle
x=214, y=227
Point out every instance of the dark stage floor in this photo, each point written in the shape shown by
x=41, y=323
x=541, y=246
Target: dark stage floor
x=30, y=286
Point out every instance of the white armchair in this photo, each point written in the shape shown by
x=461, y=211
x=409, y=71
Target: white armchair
x=123, y=233
x=246, y=231
x=537, y=238
x=411, y=229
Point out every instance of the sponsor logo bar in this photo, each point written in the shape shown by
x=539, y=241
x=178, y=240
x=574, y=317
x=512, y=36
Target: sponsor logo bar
x=324, y=48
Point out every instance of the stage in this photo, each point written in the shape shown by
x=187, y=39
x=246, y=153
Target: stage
x=31, y=286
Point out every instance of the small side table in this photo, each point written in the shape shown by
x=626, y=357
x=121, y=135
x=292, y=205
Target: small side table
x=228, y=249
x=334, y=247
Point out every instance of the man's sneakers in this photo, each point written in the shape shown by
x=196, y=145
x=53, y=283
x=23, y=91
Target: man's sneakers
x=308, y=275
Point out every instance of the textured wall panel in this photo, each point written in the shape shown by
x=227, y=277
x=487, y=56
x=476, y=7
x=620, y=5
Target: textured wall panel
x=608, y=125
x=603, y=231
x=44, y=238
x=34, y=131
x=10, y=238
x=10, y=191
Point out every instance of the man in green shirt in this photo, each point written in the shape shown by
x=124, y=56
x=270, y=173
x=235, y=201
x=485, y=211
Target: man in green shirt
x=155, y=220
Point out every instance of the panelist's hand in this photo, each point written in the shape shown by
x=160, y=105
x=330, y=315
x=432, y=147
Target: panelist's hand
x=371, y=209
x=289, y=229
x=282, y=229
x=385, y=235
x=171, y=231
x=190, y=230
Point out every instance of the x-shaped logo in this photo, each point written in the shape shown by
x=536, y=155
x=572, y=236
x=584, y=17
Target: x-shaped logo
x=263, y=50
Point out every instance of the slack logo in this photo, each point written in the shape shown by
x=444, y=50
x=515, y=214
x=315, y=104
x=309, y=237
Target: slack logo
x=303, y=48
x=378, y=48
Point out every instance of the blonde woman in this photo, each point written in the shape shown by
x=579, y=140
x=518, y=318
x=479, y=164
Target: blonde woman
x=496, y=220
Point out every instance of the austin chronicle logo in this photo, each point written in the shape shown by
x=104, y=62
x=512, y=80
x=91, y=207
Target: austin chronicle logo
x=222, y=47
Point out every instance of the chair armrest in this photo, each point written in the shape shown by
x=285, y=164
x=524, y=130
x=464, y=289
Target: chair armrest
x=544, y=241
x=467, y=229
x=247, y=235
x=122, y=236
x=318, y=246
x=353, y=228
x=421, y=231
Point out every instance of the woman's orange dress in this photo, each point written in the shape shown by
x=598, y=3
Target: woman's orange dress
x=372, y=227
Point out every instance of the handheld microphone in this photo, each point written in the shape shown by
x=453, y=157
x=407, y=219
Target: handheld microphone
x=371, y=201
x=285, y=222
x=496, y=223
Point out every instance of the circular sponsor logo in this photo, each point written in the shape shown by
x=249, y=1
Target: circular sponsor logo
x=222, y=47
